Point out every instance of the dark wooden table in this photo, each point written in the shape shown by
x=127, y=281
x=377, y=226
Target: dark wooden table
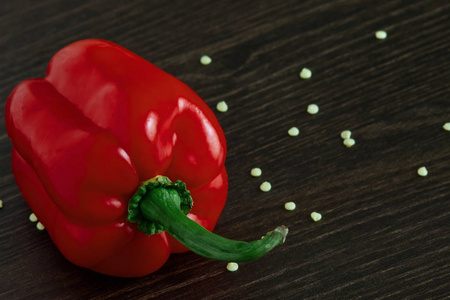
x=385, y=231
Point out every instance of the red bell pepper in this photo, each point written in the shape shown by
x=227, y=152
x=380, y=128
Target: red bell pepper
x=90, y=141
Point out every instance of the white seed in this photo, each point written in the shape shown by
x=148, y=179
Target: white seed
x=305, y=73
x=381, y=34
x=222, y=106
x=33, y=217
x=1, y=203
x=265, y=186
x=346, y=134
x=256, y=172
x=313, y=109
x=232, y=267
x=294, y=131
x=205, y=60
x=446, y=126
x=422, y=171
x=349, y=142
x=316, y=216
x=40, y=226
x=289, y=205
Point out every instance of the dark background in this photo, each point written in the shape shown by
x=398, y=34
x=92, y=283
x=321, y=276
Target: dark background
x=385, y=230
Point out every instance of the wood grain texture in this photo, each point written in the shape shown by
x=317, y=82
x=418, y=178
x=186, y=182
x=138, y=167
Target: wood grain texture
x=385, y=231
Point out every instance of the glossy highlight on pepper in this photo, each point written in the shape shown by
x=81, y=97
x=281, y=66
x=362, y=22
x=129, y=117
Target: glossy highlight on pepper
x=86, y=137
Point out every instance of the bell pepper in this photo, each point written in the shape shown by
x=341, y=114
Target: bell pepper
x=121, y=162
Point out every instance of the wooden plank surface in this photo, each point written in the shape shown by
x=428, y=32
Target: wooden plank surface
x=385, y=230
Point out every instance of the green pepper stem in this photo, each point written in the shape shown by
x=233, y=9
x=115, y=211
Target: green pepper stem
x=161, y=206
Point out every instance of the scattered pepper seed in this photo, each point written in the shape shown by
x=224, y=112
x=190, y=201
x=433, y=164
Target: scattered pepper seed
x=265, y=186
x=40, y=226
x=381, y=34
x=294, y=131
x=205, y=60
x=446, y=126
x=305, y=73
x=1, y=203
x=289, y=205
x=346, y=134
x=313, y=109
x=316, y=216
x=349, y=142
x=232, y=267
x=33, y=217
x=256, y=172
x=222, y=106
x=422, y=171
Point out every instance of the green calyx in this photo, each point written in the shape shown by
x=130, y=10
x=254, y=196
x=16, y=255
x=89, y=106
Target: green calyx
x=162, y=205
x=157, y=187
